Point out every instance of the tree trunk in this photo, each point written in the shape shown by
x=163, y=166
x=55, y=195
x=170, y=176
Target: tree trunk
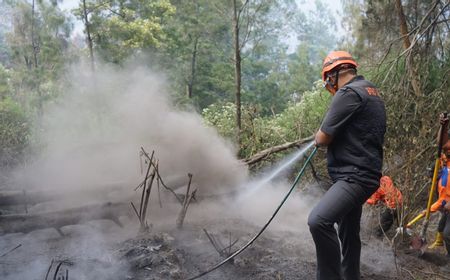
x=403, y=26
x=413, y=73
x=237, y=71
x=193, y=64
x=35, y=48
x=33, y=41
x=88, y=35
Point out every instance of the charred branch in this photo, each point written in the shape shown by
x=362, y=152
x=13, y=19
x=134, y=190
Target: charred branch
x=187, y=200
x=224, y=251
x=135, y=211
x=276, y=149
x=159, y=178
x=148, y=190
x=13, y=249
x=49, y=269
x=144, y=183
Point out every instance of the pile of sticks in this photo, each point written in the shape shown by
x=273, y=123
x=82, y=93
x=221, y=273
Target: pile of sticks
x=152, y=175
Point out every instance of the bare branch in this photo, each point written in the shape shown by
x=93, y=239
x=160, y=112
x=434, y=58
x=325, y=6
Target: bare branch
x=275, y=149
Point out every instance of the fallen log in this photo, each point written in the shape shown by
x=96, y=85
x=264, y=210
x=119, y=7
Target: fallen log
x=33, y=197
x=8, y=198
x=29, y=222
x=276, y=149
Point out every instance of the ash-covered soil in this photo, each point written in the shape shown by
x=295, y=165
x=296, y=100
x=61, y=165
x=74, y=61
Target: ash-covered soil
x=100, y=249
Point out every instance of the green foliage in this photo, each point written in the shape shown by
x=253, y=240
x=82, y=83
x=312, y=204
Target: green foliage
x=123, y=28
x=303, y=69
x=298, y=120
x=197, y=57
x=4, y=82
x=221, y=116
x=39, y=53
x=14, y=132
x=412, y=74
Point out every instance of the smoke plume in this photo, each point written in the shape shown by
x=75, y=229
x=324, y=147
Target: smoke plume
x=93, y=134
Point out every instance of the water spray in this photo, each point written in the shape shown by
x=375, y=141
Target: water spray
x=297, y=179
x=277, y=171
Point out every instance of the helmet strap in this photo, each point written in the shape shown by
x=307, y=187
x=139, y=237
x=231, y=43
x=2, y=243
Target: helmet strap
x=335, y=86
x=336, y=80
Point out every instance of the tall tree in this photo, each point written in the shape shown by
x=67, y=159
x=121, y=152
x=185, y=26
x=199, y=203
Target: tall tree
x=5, y=26
x=237, y=11
x=39, y=47
x=316, y=34
x=87, y=30
x=119, y=29
x=251, y=22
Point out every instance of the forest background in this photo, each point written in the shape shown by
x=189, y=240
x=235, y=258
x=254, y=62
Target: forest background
x=233, y=62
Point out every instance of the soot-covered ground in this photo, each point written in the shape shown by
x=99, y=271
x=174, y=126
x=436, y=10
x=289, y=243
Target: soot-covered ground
x=100, y=249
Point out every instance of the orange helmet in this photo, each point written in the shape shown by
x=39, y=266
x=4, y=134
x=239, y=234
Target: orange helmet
x=334, y=59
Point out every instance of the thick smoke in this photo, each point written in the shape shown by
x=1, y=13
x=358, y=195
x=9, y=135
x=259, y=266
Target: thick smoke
x=90, y=139
x=92, y=136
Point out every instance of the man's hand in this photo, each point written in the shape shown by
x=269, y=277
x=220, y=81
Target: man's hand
x=322, y=139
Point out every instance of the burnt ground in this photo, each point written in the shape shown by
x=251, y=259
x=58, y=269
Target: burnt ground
x=273, y=256
x=101, y=250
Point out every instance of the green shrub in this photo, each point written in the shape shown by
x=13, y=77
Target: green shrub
x=298, y=120
x=14, y=132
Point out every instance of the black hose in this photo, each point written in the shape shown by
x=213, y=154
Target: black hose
x=300, y=174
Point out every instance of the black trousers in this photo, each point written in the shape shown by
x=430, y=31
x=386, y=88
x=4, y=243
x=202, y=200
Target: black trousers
x=341, y=204
x=444, y=226
x=442, y=222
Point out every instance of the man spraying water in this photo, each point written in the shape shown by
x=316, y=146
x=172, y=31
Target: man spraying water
x=353, y=132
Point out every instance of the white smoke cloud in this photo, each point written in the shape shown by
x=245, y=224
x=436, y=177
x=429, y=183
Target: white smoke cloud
x=93, y=134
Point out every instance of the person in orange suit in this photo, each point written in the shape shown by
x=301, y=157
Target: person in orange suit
x=443, y=202
x=391, y=198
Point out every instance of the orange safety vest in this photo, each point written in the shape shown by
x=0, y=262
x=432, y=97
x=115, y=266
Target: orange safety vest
x=387, y=194
x=443, y=187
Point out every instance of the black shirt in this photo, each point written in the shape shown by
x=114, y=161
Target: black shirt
x=357, y=122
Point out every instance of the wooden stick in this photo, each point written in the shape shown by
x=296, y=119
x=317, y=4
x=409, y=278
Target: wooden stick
x=135, y=211
x=213, y=242
x=161, y=180
x=48, y=271
x=159, y=190
x=169, y=189
x=147, y=196
x=218, y=246
x=186, y=197
x=141, y=203
x=145, y=181
x=57, y=269
x=275, y=149
x=10, y=250
x=187, y=200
